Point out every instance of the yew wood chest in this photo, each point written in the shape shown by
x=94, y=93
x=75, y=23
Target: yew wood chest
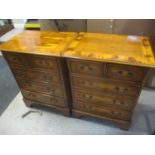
x=35, y=60
x=99, y=75
x=107, y=73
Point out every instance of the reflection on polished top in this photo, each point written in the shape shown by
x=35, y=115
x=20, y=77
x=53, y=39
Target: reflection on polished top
x=124, y=49
x=39, y=42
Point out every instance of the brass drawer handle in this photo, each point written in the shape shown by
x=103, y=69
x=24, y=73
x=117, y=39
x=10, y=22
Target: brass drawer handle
x=117, y=89
x=85, y=82
x=50, y=89
x=87, y=96
x=86, y=67
x=120, y=71
x=46, y=77
x=115, y=113
x=125, y=91
x=81, y=67
x=118, y=102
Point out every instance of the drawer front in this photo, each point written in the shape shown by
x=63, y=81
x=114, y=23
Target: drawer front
x=43, y=98
x=16, y=59
x=53, y=90
x=123, y=72
x=104, y=100
x=105, y=86
x=43, y=62
x=86, y=67
x=98, y=110
x=36, y=76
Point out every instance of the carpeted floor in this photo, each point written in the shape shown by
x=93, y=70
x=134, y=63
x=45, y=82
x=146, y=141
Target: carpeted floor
x=8, y=86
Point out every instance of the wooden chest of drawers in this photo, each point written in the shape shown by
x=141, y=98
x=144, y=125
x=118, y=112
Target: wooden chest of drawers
x=98, y=92
x=107, y=73
x=41, y=80
x=40, y=71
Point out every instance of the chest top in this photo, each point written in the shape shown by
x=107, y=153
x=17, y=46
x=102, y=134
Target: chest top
x=123, y=49
x=39, y=42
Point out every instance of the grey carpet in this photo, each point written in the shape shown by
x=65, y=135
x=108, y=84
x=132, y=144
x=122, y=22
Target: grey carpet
x=8, y=86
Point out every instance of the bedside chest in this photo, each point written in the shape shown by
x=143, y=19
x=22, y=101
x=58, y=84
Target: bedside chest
x=41, y=73
x=107, y=73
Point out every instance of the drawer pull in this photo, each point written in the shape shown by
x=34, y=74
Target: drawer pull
x=46, y=77
x=120, y=72
x=115, y=113
x=125, y=91
x=85, y=82
x=87, y=96
x=86, y=67
x=50, y=89
x=117, y=89
x=118, y=102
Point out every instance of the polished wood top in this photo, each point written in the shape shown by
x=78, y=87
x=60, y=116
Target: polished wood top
x=39, y=42
x=123, y=49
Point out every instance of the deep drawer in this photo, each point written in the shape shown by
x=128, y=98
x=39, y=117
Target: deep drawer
x=124, y=72
x=36, y=76
x=125, y=103
x=43, y=98
x=105, y=86
x=100, y=110
x=49, y=89
x=86, y=67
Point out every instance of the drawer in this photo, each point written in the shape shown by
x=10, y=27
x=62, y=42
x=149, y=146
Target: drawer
x=36, y=76
x=43, y=98
x=49, y=89
x=124, y=72
x=103, y=111
x=44, y=62
x=86, y=67
x=16, y=59
x=105, y=86
x=125, y=103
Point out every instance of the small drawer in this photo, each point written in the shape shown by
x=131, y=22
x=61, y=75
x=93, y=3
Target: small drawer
x=44, y=62
x=16, y=59
x=49, y=89
x=86, y=67
x=125, y=103
x=36, y=76
x=124, y=72
x=105, y=86
x=43, y=98
x=103, y=111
